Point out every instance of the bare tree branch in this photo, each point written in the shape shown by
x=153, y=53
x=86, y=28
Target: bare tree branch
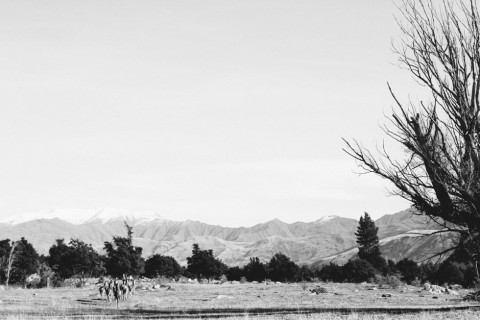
x=440, y=174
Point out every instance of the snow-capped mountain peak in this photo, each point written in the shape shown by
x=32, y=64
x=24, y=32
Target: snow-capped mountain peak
x=108, y=214
x=325, y=219
x=81, y=216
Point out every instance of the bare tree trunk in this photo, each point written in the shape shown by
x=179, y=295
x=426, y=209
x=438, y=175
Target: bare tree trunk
x=11, y=259
x=439, y=172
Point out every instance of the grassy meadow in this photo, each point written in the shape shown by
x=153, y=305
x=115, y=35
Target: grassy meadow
x=236, y=301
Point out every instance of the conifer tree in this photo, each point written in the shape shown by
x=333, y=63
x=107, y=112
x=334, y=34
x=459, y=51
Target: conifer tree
x=203, y=264
x=123, y=258
x=367, y=239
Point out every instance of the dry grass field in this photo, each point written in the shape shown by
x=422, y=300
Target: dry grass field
x=236, y=301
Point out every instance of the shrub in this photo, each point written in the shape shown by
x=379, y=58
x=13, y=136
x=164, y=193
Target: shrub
x=331, y=272
x=449, y=272
x=158, y=265
x=255, y=270
x=319, y=289
x=358, y=270
x=305, y=273
x=234, y=273
x=389, y=280
x=57, y=282
x=416, y=282
x=408, y=269
x=45, y=273
x=33, y=281
x=281, y=268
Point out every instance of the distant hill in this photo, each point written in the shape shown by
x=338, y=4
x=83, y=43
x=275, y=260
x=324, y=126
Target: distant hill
x=329, y=238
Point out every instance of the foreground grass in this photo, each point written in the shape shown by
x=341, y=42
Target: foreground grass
x=461, y=315
x=227, y=300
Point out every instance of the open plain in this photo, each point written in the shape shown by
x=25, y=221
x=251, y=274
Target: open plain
x=238, y=301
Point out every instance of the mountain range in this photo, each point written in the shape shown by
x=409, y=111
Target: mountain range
x=331, y=238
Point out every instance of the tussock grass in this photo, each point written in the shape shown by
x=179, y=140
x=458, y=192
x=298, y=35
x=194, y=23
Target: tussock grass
x=232, y=301
x=462, y=315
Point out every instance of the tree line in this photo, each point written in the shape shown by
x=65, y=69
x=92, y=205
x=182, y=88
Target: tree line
x=76, y=259
x=369, y=265
x=79, y=260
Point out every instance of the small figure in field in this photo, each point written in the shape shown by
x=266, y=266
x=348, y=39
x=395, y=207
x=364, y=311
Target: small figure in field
x=102, y=291
x=131, y=286
x=124, y=290
x=117, y=293
x=109, y=290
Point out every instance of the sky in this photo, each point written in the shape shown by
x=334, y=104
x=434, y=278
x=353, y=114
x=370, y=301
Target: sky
x=226, y=112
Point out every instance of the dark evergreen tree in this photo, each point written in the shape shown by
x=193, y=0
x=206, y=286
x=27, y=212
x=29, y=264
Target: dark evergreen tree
x=234, y=273
x=123, y=257
x=428, y=269
x=158, y=265
x=86, y=262
x=331, y=272
x=391, y=267
x=25, y=263
x=202, y=264
x=305, y=273
x=368, y=244
x=255, y=270
x=75, y=259
x=281, y=268
x=59, y=259
x=358, y=270
x=449, y=272
x=409, y=270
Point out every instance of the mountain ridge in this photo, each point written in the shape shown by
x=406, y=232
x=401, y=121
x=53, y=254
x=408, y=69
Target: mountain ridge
x=303, y=242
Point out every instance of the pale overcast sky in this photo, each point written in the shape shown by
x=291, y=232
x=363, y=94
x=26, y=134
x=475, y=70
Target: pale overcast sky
x=227, y=112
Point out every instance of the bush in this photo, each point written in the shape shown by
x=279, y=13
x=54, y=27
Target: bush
x=33, y=281
x=45, y=273
x=281, y=268
x=331, y=272
x=158, y=265
x=389, y=280
x=305, y=273
x=408, y=269
x=255, y=270
x=449, y=272
x=234, y=273
x=416, y=282
x=358, y=270
x=319, y=290
x=57, y=282
x=469, y=276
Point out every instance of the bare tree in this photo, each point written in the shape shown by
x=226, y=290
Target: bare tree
x=9, y=262
x=440, y=173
